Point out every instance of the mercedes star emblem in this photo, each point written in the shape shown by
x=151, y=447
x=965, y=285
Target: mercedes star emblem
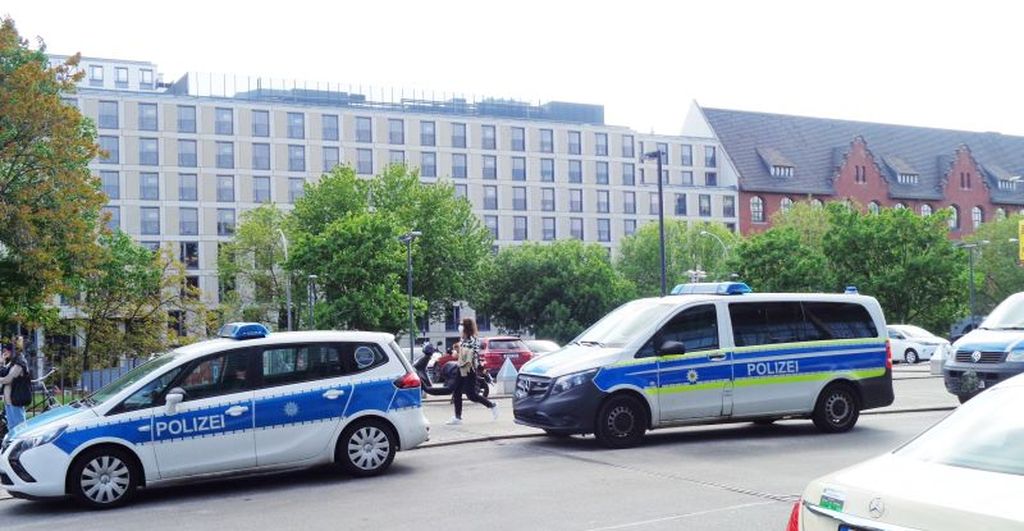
x=976, y=356
x=876, y=508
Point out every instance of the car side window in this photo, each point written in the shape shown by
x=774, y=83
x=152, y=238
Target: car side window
x=149, y=396
x=217, y=375
x=359, y=357
x=696, y=328
x=289, y=364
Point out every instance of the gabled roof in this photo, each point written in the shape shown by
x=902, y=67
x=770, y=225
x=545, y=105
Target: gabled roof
x=816, y=146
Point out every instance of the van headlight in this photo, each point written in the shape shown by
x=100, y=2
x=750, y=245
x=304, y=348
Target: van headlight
x=570, y=381
x=1016, y=354
x=28, y=443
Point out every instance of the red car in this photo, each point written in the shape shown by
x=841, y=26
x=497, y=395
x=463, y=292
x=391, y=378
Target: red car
x=494, y=350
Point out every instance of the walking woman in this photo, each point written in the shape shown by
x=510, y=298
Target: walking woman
x=468, y=355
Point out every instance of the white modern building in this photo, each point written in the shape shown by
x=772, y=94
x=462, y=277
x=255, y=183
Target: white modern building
x=187, y=157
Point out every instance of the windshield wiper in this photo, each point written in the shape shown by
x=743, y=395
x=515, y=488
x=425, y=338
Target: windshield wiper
x=591, y=343
x=1013, y=327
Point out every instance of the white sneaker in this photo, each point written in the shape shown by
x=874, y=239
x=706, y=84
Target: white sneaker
x=494, y=412
x=454, y=421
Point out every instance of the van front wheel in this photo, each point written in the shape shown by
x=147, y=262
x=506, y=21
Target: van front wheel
x=621, y=422
x=837, y=409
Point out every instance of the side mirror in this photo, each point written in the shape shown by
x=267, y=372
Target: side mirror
x=173, y=398
x=671, y=348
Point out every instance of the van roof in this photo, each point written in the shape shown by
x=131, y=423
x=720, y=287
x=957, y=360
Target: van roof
x=766, y=297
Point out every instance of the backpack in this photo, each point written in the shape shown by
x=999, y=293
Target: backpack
x=21, y=387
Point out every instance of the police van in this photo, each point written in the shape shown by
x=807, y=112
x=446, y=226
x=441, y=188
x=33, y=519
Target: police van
x=249, y=401
x=712, y=352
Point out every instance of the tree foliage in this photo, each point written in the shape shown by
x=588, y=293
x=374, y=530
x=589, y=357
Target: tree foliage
x=997, y=267
x=779, y=260
x=252, y=263
x=122, y=304
x=49, y=202
x=552, y=290
x=686, y=249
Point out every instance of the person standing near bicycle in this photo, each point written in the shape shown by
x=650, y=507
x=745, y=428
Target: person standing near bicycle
x=17, y=390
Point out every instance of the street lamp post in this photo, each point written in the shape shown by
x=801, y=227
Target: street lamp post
x=970, y=273
x=288, y=281
x=311, y=294
x=725, y=249
x=407, y=239
x=661, y=217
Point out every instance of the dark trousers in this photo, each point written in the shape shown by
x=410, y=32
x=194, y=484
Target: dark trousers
x=468, y=385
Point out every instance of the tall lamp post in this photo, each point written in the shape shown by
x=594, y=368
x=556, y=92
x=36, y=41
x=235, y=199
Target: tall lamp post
x=656, y=155
x=407, y=239
x=288, y=281
x=725, y=249
x=970, y=272
x=311, y=294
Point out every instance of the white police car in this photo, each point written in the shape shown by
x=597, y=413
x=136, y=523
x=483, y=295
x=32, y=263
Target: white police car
x=250, y=401
x=712, y=353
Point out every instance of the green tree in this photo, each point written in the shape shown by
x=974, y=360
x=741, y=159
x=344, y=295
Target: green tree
x=122, y=305
x=997, y=267
x=251, y=267
x=552, y=290
x=49, y=202
x=686, y=248
x=904, y=260
x=345, y=230
x=778, y=260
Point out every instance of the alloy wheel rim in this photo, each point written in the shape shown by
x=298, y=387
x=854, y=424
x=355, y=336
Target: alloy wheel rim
x=105, y=479
x=368, y=448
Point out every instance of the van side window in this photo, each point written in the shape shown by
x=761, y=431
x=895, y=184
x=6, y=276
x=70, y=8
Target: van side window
x=766, y=323
x=840, y=320
x=696, y=328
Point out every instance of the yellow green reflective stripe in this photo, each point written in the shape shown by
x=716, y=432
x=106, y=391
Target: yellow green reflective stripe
x=810, y=377
x=682, y=388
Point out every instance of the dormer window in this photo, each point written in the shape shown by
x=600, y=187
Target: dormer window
x=1008, y=184
x=907, y=178
x=781, y=171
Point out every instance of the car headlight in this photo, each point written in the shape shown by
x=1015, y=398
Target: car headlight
x=28, y=443
x=569, y=381
x=1015, y=355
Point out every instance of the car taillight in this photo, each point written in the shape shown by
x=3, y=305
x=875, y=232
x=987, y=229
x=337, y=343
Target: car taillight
x=794, y=518
x=888, y=354
x=409, y=381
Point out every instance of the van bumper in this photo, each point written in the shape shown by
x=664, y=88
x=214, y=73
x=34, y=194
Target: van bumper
x=572, y=411
x=877, y=392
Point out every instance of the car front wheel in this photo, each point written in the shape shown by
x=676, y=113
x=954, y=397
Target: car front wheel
x=621, y=422
x=366, y=448
x=103, y=478
x=911, y=356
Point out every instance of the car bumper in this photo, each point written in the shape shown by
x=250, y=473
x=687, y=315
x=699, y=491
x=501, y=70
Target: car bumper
x=38, y=473
x=968, y=378
x=573, y=411
x=413, y=427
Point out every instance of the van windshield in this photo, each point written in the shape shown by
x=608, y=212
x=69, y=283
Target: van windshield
x=129, y=378
x=619, y=327
x=1009, y=315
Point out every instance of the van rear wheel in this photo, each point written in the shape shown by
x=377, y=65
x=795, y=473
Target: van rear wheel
x=837, y=409
x=621, y=422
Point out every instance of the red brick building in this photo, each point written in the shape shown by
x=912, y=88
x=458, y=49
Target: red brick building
x=781, y=159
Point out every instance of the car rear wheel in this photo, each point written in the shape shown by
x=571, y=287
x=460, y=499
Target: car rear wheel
x=366, y=448
x=621, y=422
x=103, y=478
x=911, y=356
x=837, y=409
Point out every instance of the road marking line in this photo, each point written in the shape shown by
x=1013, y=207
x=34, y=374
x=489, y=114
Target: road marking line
x=681, y=516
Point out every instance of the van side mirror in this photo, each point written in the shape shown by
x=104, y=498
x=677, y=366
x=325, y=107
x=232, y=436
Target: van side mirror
x=173, y=398
x=671, y=348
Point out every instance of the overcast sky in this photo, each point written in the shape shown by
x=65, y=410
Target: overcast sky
x=938, y=64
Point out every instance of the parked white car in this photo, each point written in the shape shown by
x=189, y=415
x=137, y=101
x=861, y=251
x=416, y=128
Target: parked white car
x=912, y=344
x=966, y=472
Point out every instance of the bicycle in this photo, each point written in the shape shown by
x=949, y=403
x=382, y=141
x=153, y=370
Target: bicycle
x=49, y=400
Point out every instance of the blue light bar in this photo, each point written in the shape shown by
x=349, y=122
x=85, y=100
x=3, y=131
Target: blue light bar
x=243, y=331
x=711, y=288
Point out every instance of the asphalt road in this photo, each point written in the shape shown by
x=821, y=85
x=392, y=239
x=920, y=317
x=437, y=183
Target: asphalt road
x=731, y=477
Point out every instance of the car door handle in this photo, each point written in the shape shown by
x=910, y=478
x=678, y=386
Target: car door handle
x=144, y=428
x=717, y=357
x=333, y=394
x=235, y=411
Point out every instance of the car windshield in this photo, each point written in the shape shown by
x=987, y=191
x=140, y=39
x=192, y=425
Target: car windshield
x=1009, y=315
x=130, y=377
x=916, y=331
x=983, y=434
x=621, y=325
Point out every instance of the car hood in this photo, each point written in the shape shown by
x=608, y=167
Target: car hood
x=44, y=421
x=922, y=495
x=570, y=359
x=991, y=340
